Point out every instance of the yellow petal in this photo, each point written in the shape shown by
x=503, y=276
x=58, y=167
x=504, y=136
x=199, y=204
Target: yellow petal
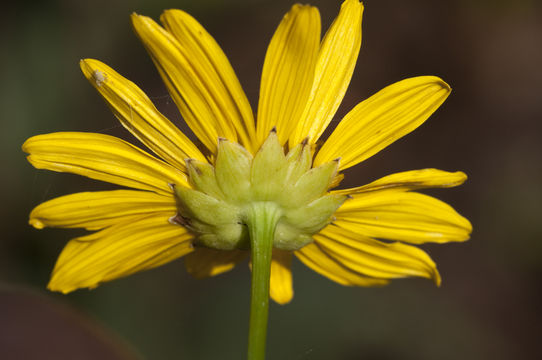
x=334, y=67
x=404, y=216
x=218, y=78
x=96, y=210
x=198, y=77
x=288, y=72
x=137, y=113
x=281, y=287
x=375, y=258
x=336, y=180
x=318, y=260
x=385, y=117
x=205, y=262
x=102, y=157
x=411, y=180
x=119, y=251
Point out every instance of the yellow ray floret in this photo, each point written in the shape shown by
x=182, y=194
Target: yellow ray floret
x=198, y=77
x=334, y=68
x=374, y=258
x=138, y=115
x=383, y=118
x=97, y=210
x=280, y=286
x=406, y=216
x=118, y=251
x=288, y=72
x=102, y=157
x=217, y=74
x=205, y=262
x=411, y=180
x=320, y=261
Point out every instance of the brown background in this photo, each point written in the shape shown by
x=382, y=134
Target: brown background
x=490, y=127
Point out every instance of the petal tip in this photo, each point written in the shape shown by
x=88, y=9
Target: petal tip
x=435, y=275
x=353, y=3
x=95, y=71
x=24, y=146
x=283, y=301
x=437, y=279
x=139, y=21
x=36, y=223
x=446, y=85
x=54, y=286
x=174, y=12
x=468, y=227
x=442, y=83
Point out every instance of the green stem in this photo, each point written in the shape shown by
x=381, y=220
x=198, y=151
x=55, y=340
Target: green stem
x=262, y=218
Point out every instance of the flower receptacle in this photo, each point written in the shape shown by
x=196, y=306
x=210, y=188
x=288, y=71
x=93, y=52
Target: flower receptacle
x=216, y=208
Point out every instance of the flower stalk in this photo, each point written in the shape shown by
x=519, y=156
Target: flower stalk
x=261, y=219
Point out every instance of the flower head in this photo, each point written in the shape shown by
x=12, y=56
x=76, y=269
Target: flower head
x=193, y=202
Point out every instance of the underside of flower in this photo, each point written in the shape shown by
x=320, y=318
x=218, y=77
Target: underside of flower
x=247, y=191
x=216, y=209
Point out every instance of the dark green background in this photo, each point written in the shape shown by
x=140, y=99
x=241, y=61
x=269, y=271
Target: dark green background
x=489, y=304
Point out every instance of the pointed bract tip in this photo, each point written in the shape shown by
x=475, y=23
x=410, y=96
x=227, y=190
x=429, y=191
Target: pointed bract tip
x=172, y=186
x=273, y=130
x=220, y=139
x=189, y=162
x=305, y=141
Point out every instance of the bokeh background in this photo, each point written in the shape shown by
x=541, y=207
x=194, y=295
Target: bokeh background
x=488, y=306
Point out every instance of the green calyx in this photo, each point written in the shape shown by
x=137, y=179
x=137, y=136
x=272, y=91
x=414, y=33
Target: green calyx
x=217, y=207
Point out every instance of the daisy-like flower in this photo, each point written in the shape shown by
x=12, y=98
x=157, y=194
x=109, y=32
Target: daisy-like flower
x=210, y=204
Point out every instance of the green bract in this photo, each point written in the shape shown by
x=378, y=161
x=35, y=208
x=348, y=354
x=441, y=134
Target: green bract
x=216, y=208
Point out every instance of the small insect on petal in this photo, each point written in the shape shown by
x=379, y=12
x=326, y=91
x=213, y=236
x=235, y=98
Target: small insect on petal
x=99, y=77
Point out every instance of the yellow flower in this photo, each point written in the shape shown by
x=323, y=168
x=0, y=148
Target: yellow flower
x=166, y=215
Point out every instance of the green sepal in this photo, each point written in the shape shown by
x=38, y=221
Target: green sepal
x=316, y=215
x=232, y=170
x=226, y=237
x=267, y=173
x=311, y=185
x=202, y=178
x=290, y=237
x=196, y=205
x=298, y=162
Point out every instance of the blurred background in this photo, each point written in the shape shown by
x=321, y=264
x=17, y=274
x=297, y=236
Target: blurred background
x=488, y=306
